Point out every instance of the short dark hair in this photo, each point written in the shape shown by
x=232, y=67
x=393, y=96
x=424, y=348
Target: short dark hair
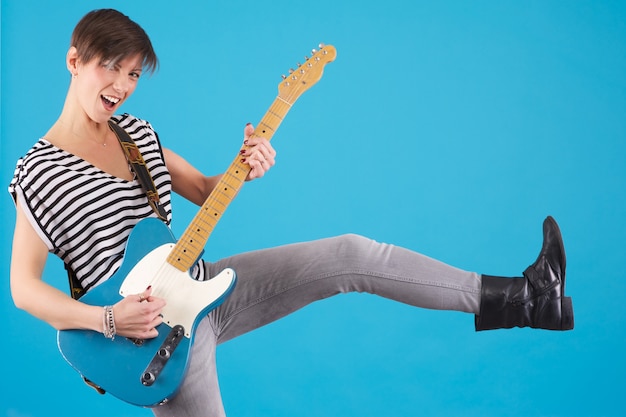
x=111, y=36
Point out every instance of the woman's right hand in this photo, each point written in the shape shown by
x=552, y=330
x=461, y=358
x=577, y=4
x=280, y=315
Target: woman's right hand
x=137, y=316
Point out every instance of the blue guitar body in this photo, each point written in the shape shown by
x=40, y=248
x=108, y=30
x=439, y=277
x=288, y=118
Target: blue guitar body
x=146, y=372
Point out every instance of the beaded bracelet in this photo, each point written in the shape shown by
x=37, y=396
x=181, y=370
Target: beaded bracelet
x=109, y=323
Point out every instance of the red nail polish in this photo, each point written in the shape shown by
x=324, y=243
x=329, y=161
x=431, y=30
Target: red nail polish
x=241, y=152
x=248, y=124
x=243, y=160
x=149, y=286
x=245, y=142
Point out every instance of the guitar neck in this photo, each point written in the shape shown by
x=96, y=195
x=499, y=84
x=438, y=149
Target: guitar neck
x=191, y=244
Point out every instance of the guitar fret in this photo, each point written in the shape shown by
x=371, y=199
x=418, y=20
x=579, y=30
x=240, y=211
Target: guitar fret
x=266, y=123
x=225, y=192
x=210, y=221
x=214, y=209
x=229, y=176
x=285, y=101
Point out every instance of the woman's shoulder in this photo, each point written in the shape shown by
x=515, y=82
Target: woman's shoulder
x=38, y=162
x=131, y=123
x=40, y=153
x=139, y=129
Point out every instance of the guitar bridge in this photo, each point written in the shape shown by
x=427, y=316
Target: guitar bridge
x=137, y=342
x=162, y=355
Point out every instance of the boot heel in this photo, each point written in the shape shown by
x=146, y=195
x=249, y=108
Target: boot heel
x=567, y=314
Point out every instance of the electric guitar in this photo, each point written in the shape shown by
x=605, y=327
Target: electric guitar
x=148, y=372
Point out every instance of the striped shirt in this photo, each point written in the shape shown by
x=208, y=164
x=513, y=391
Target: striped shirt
x=82, y=214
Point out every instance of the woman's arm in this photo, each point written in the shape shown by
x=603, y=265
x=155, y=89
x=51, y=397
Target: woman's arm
x=32, y=294
x=133, y=318
x=187, y=180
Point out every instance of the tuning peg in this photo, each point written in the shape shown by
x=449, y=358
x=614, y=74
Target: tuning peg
x=313, y=51
x=284, y=77
x=321, y=46
x=306, y=58
x=290, y=70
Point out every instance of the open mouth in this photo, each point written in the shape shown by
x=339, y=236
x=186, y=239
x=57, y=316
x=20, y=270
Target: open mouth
x=109, y=102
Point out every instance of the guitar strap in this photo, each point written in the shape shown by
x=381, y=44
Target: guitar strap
x=138, y=165
x=135, y=160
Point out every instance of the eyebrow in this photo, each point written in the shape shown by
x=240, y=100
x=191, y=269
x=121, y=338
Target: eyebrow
x=140, y=69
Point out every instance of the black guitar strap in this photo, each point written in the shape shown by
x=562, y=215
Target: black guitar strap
x=76, y=290
x=135, y=160
x=138, y=165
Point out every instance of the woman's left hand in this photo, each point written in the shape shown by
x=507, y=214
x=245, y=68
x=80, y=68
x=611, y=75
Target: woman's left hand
x=257, y=153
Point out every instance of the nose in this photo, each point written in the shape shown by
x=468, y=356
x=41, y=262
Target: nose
x=121, y=83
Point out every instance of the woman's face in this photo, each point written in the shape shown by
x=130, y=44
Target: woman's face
x=101, y=88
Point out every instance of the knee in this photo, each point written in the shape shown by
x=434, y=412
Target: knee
x=352, y=243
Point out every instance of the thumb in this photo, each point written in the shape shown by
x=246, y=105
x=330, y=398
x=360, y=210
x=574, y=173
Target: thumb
x=146, y=294
x=248, y=130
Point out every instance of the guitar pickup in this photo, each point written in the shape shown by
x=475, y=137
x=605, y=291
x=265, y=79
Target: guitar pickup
x=162, y=355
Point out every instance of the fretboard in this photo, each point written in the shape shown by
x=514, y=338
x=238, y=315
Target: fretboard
x=191, y=244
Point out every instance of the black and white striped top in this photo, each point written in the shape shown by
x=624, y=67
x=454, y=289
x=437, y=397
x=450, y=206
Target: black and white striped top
x=83, y=214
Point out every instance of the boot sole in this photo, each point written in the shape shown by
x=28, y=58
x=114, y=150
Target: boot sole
x=567, y=313
x=567, y=309
x=556, y=227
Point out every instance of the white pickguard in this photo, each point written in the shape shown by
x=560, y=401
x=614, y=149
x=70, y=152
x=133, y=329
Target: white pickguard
x=185, y=297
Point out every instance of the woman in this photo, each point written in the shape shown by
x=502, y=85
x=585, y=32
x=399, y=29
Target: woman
x=77, y=198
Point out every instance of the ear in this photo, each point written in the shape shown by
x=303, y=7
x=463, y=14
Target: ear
x=71, y=60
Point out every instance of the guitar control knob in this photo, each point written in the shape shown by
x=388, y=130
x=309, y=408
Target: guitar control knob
x=164, y=353
x=147, y=378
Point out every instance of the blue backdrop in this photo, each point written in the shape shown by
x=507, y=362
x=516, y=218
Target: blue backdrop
x=450, y=127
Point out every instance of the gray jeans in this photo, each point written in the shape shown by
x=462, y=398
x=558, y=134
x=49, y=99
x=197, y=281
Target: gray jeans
x=275, y=282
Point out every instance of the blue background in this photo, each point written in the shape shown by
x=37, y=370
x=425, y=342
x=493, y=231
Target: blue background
x=451, y=127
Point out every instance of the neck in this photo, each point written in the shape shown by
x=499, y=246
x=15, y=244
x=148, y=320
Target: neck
x=74, y=124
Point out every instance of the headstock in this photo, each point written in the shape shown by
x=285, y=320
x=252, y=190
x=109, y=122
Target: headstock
x=307, y=74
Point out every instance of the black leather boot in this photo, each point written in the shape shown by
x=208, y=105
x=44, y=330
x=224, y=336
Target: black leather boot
x=536, y=300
